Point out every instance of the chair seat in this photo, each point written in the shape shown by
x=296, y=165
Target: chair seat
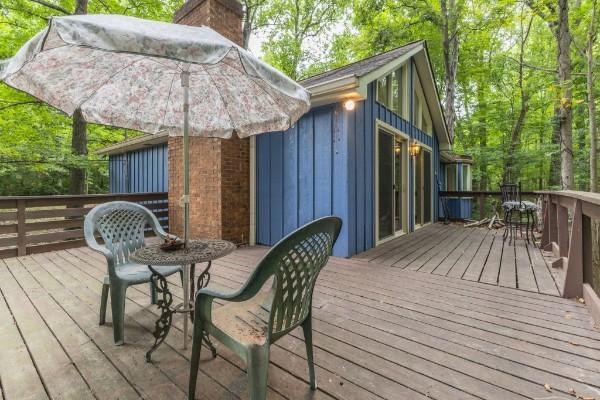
x=246, y=322
x=529, y=206
x=139, y=273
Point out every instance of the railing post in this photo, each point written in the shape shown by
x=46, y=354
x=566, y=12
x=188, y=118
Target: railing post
x=563, y=231
x=546, y=229
x=552, y=222
x=574, y=272
x=21, y=230
x=481, y=206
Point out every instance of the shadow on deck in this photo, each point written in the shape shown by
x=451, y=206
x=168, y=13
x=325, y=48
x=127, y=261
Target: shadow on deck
x=380, y=332
x=473, y=254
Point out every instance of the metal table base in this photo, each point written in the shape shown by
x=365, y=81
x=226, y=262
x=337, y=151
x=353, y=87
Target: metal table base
x=165, y=304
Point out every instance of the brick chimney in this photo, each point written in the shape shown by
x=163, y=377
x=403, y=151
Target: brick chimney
x=219, y=168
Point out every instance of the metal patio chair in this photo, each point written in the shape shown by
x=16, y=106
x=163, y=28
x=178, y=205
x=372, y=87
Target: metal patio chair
x=122, y=226
x=514, y=209
x=254, y=319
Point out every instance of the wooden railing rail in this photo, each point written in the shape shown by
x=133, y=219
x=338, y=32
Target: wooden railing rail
x=35, y=224
x=568, y=234
x=481, y=198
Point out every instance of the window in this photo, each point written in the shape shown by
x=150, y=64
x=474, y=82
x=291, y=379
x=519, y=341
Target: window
x=391, y=91
x=466, y=178
x=395, y=92
x=451, y=177
x=382, y=90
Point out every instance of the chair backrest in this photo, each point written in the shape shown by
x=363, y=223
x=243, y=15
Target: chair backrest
x=511, y=192
x=122, y=225
x=295, y=262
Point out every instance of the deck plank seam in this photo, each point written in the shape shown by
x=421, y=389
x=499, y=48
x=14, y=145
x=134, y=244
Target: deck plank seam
x=36, y=279
x=471, y=317
x=43, y=382
x=64, y=350
x=410, y=339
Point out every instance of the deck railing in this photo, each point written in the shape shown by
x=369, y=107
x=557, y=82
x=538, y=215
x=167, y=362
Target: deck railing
x=482, y=200
x=571, y=232
x=35, y=224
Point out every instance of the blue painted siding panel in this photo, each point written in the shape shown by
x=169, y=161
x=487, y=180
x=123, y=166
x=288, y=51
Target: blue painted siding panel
x=144, y=170
x=323, y=183
x=306, y=170
x=290, y=180
x=263, y=189
x=296, y=182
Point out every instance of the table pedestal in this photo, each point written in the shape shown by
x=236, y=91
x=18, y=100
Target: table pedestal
x=165, y=320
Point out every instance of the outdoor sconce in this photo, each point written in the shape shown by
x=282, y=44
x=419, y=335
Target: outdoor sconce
x=414, y=148
x=349, y=105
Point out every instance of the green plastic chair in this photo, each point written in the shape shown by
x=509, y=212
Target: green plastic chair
x=254, y=319
x=122, y=225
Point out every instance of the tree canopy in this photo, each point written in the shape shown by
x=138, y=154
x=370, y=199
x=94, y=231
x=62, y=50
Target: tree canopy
x=500, y=66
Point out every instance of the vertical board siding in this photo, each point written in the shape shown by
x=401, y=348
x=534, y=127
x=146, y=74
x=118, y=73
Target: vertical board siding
x=144, y=170
x=301, y=175
x=325, y=165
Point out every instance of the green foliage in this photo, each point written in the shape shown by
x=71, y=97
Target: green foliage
x=35, y=153
x=297, y=33
x=488, y=94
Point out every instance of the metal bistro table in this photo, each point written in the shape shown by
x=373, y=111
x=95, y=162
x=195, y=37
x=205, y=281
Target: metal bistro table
x=198, y=251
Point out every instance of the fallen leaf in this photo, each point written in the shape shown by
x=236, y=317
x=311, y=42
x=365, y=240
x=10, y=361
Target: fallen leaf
x=547, y=387
x=572, y=392
x=574, y=343
x=581, y=300
x=568, y=316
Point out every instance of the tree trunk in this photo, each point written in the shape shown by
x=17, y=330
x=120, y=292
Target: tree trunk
x=592, y=101
x=77, y=184
x=450, y=46
x=247, y=28
x=78, y=148
x=564, y=74
x=511, y=173
x=482, y=130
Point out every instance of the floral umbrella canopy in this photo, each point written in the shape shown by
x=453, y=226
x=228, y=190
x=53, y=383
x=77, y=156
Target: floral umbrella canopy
x=154, y=76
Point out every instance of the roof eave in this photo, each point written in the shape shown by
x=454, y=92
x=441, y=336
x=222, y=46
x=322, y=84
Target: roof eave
x=134, y=144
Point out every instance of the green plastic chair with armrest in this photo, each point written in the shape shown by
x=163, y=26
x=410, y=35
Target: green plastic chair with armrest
x=253, y=319
x=122, y=226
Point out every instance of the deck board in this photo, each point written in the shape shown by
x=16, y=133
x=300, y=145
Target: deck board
x=475, y=254
x=380, y=332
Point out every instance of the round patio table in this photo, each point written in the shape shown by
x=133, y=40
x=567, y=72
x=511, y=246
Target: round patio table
x=197, y=251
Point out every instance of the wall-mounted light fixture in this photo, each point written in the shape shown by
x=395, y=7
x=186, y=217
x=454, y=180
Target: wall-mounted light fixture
x=349, y=105
x=414, y=148
x=397, y=148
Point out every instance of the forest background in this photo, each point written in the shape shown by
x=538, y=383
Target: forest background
x=517, y=80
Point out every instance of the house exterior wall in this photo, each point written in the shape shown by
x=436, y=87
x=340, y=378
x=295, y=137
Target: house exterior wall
x=144, y=170
x=324, y=165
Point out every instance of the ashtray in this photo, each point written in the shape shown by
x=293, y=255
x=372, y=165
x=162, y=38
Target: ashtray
x=171, y=244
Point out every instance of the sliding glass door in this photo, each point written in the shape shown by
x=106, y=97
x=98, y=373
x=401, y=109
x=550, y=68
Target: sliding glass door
x=423, y=182
x=391, y=187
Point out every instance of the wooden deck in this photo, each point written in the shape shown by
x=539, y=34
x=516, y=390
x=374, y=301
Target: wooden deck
x=473, y=254
x=380, y=332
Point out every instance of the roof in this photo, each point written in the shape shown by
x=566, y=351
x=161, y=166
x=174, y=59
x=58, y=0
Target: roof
x=362, y=67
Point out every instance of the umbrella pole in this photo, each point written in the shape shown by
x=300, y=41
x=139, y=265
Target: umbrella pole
x=185, y=84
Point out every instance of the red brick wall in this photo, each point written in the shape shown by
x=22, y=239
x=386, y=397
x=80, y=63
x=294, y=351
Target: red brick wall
x=219, y=168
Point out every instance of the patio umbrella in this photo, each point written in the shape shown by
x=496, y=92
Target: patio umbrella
x=153, y=77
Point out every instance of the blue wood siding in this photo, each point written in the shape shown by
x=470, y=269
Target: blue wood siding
x=325, y=165
x=301, y=174
x=144, y=170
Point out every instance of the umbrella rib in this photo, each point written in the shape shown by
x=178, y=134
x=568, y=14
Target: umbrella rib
x=169, y=96
x=220, y=95
x=106, y=81
x=274, y=101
